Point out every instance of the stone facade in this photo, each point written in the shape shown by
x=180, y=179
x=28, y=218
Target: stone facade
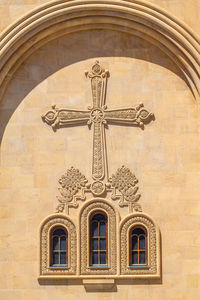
x=165, y=156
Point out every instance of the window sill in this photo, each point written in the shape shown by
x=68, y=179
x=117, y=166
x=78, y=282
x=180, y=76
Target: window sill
x=99, y=267
x=138, y=267
x=92, y=285
x=63, y=267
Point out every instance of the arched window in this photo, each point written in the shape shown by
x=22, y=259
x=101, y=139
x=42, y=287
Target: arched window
x=98, y=239
x=138, y=246
x=59, y=247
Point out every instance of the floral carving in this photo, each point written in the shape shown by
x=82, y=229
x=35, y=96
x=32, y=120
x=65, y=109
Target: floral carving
x=125, y=182
x=138, y=116
x=71, y=183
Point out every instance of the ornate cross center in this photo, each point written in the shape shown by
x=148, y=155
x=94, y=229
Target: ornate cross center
x=98, y=116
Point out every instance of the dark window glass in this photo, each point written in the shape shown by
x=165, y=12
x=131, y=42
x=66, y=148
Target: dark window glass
x=102, y=229
x=55, y=258
x=59, y=247
x=59, y=232
x=138, y=231
x=63, y=243
x=142, y=257
x=94, y=258
x=134, y=242
x=134, y=258
x=102, y=244
x=142, y=242
x=55, y=243
x=138, y=246
x=99, y=217
x=63, y=257
x=98, y=239
x=95, y=229
x=103, y=258
x=95, y=244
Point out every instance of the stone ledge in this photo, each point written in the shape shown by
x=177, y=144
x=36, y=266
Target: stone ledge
x=99, y=284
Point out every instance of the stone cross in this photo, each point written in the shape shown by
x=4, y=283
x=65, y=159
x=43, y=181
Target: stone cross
x=98, y=116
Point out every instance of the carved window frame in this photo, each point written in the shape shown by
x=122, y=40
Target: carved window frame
x=49, y=224
x=85, y=215
x=152, y=269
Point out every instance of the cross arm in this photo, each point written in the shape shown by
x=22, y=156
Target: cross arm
x=60, y=117
x=129, y=116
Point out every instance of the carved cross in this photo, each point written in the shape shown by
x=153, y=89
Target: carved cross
x=98, y=116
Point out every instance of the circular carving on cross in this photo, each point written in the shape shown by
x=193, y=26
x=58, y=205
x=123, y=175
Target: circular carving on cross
x=97, y=188
x=50, y=115
x=144, y=114
x=96, y=69
x=97, y=115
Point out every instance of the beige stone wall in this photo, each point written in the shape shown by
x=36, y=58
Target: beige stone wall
x=165, y=157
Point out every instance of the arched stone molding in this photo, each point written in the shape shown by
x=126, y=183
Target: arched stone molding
x=136, y=17
x=45, y=228
x=154, y=248
x=113, y=219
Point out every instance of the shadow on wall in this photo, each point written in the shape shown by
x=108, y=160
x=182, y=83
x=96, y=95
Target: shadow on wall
x=78, y=282
x=71, y=49
x=95, y=288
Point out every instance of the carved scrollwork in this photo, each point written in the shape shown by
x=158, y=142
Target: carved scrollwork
x=125, y=182
x=59, y=117
x=71, y=183
x=138, y=116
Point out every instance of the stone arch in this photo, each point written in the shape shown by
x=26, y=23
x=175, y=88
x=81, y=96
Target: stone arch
x=45, y=228
x=154, y=247
x=138, y=18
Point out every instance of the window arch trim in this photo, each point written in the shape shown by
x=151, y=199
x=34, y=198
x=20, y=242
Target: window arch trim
x=153, y=269
x=87, y=210
x=50, y=223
